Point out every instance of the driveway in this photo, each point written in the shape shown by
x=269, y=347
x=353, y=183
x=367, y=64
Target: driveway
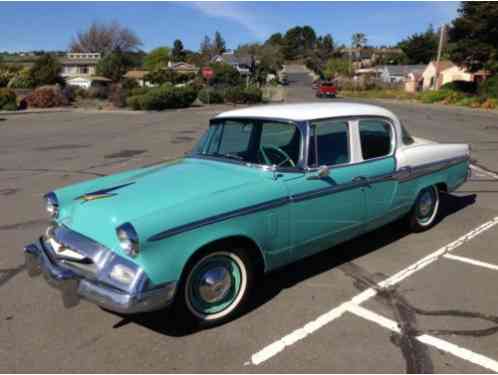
x=390, y=301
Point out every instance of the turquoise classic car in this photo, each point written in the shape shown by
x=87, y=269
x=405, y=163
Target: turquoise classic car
x=264, y=187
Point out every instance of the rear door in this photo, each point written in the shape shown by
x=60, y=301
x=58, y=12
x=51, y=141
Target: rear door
x=377, y=142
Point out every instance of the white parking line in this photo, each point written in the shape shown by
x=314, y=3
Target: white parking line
x=438, y=343
x=483, y=171
x=472, y=261
x=300, y=333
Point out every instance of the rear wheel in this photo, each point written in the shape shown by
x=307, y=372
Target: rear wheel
x=216, y=286
x=424, y=212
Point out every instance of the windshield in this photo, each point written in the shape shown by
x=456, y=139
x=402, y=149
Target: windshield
x=252, y=141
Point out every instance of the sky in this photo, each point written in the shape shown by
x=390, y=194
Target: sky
x=26, y=26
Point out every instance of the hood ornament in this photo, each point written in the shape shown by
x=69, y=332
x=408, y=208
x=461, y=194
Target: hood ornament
x=100, y=194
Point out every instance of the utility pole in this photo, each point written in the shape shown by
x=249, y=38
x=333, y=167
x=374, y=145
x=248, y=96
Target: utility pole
x=439, y=52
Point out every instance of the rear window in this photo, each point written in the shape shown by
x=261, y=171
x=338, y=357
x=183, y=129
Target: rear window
x=376, y=138
x=406, y=137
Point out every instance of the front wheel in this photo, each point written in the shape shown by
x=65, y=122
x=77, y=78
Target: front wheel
x=216, y=287
x=425, y=209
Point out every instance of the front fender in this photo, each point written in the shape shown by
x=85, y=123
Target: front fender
x=164, y=260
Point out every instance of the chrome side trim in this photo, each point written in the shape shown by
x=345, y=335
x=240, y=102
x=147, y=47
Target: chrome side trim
x=220, y=217
x=403, y=175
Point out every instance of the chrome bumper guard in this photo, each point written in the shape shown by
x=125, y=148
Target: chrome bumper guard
x=75, y=286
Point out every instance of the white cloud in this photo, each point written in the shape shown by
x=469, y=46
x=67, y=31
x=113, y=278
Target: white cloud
x=234, y=12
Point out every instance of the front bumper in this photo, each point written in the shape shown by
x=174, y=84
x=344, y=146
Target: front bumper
x=75, y=286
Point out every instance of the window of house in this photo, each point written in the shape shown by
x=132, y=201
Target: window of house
x=84, y=69
x=329, y=143
x=376, y=138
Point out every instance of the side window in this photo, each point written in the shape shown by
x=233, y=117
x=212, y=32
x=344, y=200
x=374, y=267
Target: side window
x=329, y=144
x=283, y=137
x=376, y=138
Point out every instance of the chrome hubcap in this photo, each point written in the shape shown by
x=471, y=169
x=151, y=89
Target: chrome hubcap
x=215, y=284
x=425, y=204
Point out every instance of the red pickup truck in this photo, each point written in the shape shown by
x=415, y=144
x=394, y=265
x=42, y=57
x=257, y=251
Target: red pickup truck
x=326, y=89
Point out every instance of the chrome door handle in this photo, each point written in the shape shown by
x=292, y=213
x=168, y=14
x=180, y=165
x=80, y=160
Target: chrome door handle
x=359, y=179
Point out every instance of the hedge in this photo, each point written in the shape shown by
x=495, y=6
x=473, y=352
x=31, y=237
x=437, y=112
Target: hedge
x=45, y=98
x=8, y=100
x=241, y=95
x=489, y=87
x=163, y=97
x=214, y=97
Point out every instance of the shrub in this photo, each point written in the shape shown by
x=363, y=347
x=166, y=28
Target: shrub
x=129, y=84
x=69, y=94
x=46, y=71
x=470, y=101
x=215, y=97
x=6, y=75
x=489, y=87
x=8, y=100
x=241, y=95
x=98, y=92
x=461, y=86
x=490, y=103
x=135, y=102
x=164, y=97
x=429, y=97
x=138, y=91
x=22, y=79
x=45, y=98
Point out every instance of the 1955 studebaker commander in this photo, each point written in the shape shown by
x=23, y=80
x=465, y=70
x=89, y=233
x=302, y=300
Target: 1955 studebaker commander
x=264, y=187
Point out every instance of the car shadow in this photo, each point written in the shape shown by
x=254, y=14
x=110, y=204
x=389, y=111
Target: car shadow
x=165, y=322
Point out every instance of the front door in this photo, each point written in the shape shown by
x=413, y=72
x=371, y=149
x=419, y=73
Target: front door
x=328, y=210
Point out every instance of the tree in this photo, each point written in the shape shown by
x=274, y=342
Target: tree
x=275, y=39
x=473, y=36
x=420, y=48
x=359, y=40
x=206, y=47
x=177, y=54
x=219, y=45
x=105, y=38
x=336, y=67
x=46, y=71
x=157, y=58
x=113, y=66
x=325, y=47
x=308, y=36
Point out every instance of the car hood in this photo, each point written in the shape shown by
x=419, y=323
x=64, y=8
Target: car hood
x=178, y=189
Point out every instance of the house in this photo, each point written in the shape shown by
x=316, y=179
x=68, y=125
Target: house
x=448, y=72
x=242, y=64
x=183, y=67
x=394, y=74
x=87, y=82
x=139, y=76
x=80, y=64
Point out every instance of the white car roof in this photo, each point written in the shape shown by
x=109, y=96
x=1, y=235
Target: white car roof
x=309, y=111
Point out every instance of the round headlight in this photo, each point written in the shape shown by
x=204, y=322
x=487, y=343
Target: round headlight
x=51, y=204
x=128, y=239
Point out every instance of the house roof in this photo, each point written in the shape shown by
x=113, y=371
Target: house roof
x=443, y=65
x=231, y=59
x=403, y=70
x=184, y=66
x=136, y=74
x=91, y=78
x=66, y=61
x=309, y=111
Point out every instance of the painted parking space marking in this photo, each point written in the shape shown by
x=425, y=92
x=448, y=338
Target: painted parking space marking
x=482, y=172
x=299, y=334
x=436, y=342
x=472, y=261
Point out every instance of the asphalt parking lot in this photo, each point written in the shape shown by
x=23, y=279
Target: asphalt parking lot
x=390, y=301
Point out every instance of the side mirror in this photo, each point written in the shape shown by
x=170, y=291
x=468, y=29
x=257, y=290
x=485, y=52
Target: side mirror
x=323, y=172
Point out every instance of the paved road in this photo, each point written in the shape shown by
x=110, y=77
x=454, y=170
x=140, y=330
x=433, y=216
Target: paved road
x=439, y=315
